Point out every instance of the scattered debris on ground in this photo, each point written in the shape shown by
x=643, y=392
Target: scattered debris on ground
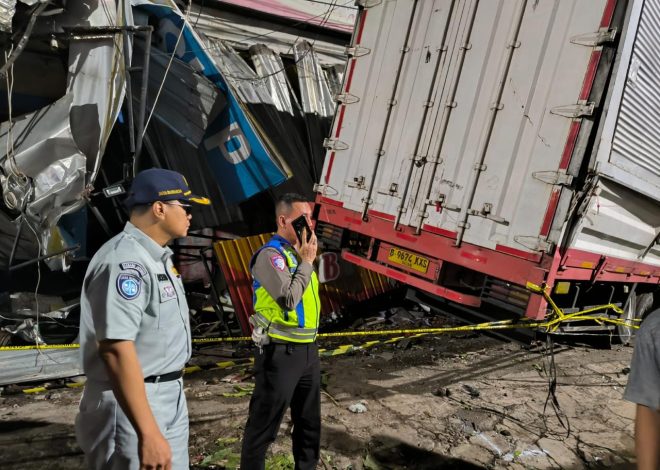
x=454, y=401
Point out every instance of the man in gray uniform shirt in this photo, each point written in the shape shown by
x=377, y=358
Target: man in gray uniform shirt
x=644, y=389
x=135, y=335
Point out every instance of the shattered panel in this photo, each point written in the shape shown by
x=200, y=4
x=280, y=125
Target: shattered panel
x=30, y=365
x=54, y=153
x=187, y=100
x=270, y=67
x=7, y=10
x=46, y=152
x=236, y=152
x=351, y=283
x=314, y=91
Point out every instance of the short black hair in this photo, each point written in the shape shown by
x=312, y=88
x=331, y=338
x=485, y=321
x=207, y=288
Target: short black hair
x=140, y=209
x=285, y=202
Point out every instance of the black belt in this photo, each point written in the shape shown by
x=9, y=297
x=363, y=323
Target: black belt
x=176, y=375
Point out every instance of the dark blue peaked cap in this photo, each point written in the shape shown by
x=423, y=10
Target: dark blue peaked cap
x=157, y=184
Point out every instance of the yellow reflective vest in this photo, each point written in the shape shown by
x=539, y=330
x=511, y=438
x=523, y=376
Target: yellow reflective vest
x=299, y=325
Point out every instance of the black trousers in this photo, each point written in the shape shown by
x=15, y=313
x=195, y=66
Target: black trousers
x=286, y=375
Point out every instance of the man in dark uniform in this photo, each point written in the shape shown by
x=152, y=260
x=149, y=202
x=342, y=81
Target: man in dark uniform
x=135, y=335
x=285, y=323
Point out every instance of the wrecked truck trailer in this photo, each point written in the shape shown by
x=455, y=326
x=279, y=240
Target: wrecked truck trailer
x=479, y=146
x=80, y=48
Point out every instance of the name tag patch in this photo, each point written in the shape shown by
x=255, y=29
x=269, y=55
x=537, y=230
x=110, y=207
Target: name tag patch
x=132, y=265
x=163, y=278
x=129, y=286
x=167, y=292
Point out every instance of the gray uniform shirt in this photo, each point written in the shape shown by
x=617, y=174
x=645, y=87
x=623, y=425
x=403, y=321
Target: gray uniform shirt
x=132, y=292
x=272, y=272
x=644, y=382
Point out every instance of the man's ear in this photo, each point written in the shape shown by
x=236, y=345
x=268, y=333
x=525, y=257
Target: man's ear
x=158, y=210
x=281, y=221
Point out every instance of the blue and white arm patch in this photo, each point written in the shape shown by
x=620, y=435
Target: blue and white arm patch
x=129, y=286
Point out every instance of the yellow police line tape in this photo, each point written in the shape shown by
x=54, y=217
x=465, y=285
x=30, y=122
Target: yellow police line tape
x=343, y=349
x=550, y=325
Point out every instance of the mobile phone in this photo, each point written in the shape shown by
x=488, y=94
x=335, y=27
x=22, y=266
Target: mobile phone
x=298, y=225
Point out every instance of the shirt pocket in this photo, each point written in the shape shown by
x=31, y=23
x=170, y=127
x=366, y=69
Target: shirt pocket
x=169, y=310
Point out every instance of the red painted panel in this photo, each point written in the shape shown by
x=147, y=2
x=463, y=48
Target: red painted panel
x=330, y=163
x=493, y=263
x=592, y=68
x=340, y=120
x=349, y=78
x=570, y=145
x=414, y=281
x=327, y=200
x=536, y=257
x=607, y=14
x=550, y=212
x=233, y=256
x=439, y=231
x=382, y=215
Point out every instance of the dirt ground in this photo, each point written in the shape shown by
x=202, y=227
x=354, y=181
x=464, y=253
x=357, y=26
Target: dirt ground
x=461, y=401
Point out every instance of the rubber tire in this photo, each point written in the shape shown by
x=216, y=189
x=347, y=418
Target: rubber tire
x=5, y=338
x=643, y=305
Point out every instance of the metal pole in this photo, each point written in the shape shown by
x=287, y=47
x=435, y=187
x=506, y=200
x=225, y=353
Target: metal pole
x=16, y=239
x=42, y=258
x=143, y=97
x=129, y=92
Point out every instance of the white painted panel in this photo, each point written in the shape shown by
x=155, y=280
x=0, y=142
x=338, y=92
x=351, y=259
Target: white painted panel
x=619, y=222
x=461, y=46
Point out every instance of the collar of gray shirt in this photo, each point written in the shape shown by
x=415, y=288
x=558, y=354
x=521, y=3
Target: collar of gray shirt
x=159, y=253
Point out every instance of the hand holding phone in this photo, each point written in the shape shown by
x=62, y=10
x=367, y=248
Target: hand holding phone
x=298, y=225
x=306, y=246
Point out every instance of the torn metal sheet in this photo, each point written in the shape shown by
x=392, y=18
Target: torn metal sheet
x=96, y=75
x=345, y=284
x=243, y=30
x=187, y=99
x=236, y=152
x=283, y=131
x=334, y=76
x=270, y=67
x=314, y=91
x=7, y=10
x=54, y=153
x=178, y=154
x=46, y=153
x=338, y=15
x=30, y=365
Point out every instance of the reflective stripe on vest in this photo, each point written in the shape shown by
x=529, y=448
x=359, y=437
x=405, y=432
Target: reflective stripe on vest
x=299, y=325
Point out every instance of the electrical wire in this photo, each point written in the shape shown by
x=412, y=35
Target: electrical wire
x=167, y=69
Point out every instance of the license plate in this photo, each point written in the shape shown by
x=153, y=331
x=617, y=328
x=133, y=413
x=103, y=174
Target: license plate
x=408, y=259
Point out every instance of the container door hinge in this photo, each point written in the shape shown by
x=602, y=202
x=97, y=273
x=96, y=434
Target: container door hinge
x=357, y=51
x=346, y=98
x=598, y=38
x=534, y=243
x=334, y=144
x=555, y=178
x=486, y=213
x=357, y=182
x=580, y=109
